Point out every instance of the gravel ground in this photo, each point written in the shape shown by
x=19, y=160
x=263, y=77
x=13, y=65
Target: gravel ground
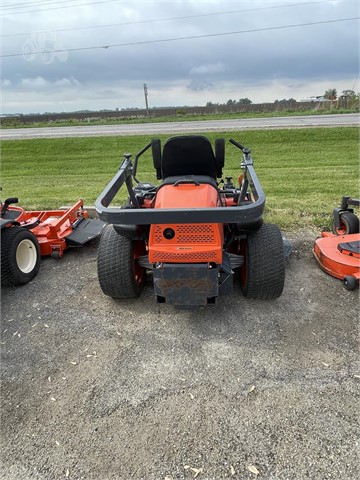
x=94, y=388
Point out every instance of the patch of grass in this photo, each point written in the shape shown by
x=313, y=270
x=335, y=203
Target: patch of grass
x=304, y=172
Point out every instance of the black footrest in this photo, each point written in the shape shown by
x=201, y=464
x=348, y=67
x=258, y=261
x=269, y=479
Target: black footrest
x=85, y=231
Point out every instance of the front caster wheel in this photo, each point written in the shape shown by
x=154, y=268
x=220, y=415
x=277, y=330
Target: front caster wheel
x=349, y=223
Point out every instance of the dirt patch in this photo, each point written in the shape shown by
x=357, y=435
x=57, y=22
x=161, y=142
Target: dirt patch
x=94, y=388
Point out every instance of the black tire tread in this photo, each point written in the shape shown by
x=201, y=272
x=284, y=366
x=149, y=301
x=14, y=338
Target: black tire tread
x=265, y=264
x=10, y=273
x=115, y=265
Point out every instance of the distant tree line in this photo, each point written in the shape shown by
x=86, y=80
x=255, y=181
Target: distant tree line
x=330, y=94
x=286, y=100
x=352, y=98
x=241, y=101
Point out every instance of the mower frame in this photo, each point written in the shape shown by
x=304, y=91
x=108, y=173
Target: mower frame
x=240, y=214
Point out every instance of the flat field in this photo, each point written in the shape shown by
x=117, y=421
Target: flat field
x=304, y=172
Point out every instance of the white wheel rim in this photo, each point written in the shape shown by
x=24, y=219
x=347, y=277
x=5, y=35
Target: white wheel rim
x=26, y=256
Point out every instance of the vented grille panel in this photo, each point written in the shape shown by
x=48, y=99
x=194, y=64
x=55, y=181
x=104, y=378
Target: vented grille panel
x=186, y=234
x=195, y=228
x=195, y=238
x=184, y=257
x=158, y=234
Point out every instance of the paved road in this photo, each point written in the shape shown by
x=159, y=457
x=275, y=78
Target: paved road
x=184, y=127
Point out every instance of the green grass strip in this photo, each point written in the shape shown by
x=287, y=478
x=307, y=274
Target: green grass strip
x=304, y=172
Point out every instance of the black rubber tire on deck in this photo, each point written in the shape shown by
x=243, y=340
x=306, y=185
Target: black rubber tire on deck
x=117, y=267
x=20, y=256
x=349, y=223
x=350, y=282
x=264, y=274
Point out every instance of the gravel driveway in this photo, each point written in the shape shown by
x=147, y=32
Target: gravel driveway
x=94, y=388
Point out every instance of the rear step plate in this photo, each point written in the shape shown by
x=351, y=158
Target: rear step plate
x=85, y=230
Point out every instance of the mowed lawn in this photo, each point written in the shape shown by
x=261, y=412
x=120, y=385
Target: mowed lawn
x=304, y=172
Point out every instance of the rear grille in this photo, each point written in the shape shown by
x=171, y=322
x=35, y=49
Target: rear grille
x=191, y=243
x=194, y=228
x=184, y=257
x=186, y=234
x=195, y=238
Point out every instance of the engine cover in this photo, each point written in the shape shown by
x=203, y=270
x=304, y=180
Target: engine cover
x=186, y=243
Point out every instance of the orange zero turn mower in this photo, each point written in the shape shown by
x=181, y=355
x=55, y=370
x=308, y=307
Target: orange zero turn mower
x=196, y=232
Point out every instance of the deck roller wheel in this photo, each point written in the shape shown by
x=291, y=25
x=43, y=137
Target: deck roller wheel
x=350, y=283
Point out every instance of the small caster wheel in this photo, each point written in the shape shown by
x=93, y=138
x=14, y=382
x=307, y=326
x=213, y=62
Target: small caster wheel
x=350, y=282
x=349, y=223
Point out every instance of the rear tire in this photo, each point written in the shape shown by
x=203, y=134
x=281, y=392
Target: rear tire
x=120, y=275
x=349, y=223
x=20, y=256
x=263, y=272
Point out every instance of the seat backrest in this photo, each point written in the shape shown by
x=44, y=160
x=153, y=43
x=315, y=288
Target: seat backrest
x=156, y=154
x=188, y=155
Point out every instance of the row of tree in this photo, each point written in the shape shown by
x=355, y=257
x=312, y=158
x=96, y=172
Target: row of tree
x=241, y=101
x=330, y=94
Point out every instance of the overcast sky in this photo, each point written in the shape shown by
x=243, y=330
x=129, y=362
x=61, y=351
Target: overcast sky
x=187, y=52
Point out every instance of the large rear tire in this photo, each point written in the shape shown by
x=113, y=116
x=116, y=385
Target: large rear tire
x=119, y=273
x=20, y=256
x=263, y=272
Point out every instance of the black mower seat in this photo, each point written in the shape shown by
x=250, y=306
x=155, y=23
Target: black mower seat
x=188, y=155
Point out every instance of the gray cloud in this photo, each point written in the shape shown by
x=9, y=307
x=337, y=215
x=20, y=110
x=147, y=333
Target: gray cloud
x=265, y=64
x=199, y=85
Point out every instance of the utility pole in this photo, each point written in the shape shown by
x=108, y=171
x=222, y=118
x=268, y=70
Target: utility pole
x=146, y=100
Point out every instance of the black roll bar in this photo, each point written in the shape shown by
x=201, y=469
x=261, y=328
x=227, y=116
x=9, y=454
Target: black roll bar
x=240, y=214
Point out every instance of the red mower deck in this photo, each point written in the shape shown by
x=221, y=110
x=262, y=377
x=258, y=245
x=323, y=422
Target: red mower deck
x=339, y=257
x=27, y=235
x=338, y=253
